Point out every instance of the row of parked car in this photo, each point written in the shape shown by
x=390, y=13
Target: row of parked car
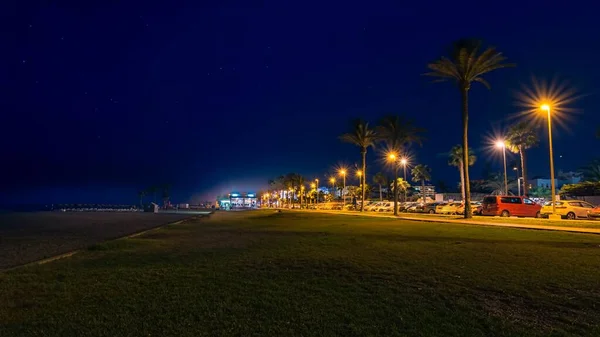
x=497, y=205
x=419, y=207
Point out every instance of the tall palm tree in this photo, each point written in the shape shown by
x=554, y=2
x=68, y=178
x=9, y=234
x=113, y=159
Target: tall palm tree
x=364, y=137
x=466, y=65
x=519, y=138
x=398, y=133
x=141, y=195
x=455, y=158
x=166, y=194
x=421, y=173
x=381, y=180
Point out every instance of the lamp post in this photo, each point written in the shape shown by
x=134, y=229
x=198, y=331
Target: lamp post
x=301, y=195
x=394, y=160
x=312, y=185
x=518, y=181
x=403, y=161
x=343, y=173
x=546, y=107
x=501, y=145
x=332, y=181
x=360, y=181
x=317, y=181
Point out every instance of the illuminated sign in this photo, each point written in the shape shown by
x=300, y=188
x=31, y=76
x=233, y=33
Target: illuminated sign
x=251, y=195
x=235, y=195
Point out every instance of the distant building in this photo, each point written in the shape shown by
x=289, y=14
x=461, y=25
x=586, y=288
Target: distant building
x=429, y=191
x=566, y=178
x=237, y=200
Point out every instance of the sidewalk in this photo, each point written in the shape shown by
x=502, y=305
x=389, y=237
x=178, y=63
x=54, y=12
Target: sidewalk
x=464, y=221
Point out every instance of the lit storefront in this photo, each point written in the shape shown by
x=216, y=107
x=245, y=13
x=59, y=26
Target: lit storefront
x=238, y=201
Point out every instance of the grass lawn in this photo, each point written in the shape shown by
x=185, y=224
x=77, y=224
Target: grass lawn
x=582, y=223
x=307, y=274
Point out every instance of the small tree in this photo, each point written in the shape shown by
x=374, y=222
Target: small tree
x=421, y=173
x=381, y=180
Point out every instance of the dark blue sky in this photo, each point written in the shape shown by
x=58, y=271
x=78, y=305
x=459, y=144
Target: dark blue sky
x=101, y=98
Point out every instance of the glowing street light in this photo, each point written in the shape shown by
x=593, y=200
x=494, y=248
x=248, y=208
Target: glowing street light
x=343, y=174
x=392, y=157
x=546, y=107
x=317, y=181
x=502, y=145
x=404, y=161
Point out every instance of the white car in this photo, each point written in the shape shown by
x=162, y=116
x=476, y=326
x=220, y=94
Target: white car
x=374, y=206
x=386, y=207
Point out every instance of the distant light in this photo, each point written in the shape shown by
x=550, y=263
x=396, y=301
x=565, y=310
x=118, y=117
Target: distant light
x=251, y=195
x=235, y=195
x=403, y=161
x=500, y=144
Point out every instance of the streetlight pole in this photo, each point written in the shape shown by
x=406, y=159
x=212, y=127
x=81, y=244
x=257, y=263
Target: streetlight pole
x=395, y=162
x=546, y=108
x=403, y=161
x=332, y=181
x=317, y=181
x=502, y=145
x=518, y=181
x=343, y=173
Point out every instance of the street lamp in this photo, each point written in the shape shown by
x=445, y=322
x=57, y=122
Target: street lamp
x=404, y=161
x=501, y=145
x=394, y=160
x=332, y=181
x=317, y=181
x=546, y=107
x=516, y=169
x=343, y=174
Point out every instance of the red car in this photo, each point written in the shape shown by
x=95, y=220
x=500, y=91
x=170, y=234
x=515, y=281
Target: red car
x=510, y=205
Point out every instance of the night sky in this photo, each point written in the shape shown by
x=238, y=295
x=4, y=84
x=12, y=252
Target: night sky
x=102, y=98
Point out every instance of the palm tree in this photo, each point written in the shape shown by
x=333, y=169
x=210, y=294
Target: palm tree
x=455, y=158
x=421, y=173
x=519, y=138
x=363, y=137
x=152, y=190
x=403, y=185
x=380, y=179
x=398, y=133
x=466, y=65
x=142, y=194
x=591, y=172
x=166, y=194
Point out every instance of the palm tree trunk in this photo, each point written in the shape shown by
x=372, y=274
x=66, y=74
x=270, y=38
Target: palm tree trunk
x=380, y=193
x=465, y=163
x=523, y=170
x=423, y=189
x=364, y=178
x=462, y=180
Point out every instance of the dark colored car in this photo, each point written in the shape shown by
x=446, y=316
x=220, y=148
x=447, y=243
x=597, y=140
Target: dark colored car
x=428, y=207
x=507, y=205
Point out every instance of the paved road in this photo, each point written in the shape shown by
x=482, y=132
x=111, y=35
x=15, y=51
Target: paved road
x=433, y=218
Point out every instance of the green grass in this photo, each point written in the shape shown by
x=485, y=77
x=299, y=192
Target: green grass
x=307, y=274
x=581, y=223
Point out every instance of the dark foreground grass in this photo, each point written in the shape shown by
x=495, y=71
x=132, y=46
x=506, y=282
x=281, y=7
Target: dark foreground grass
x=301, y=274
